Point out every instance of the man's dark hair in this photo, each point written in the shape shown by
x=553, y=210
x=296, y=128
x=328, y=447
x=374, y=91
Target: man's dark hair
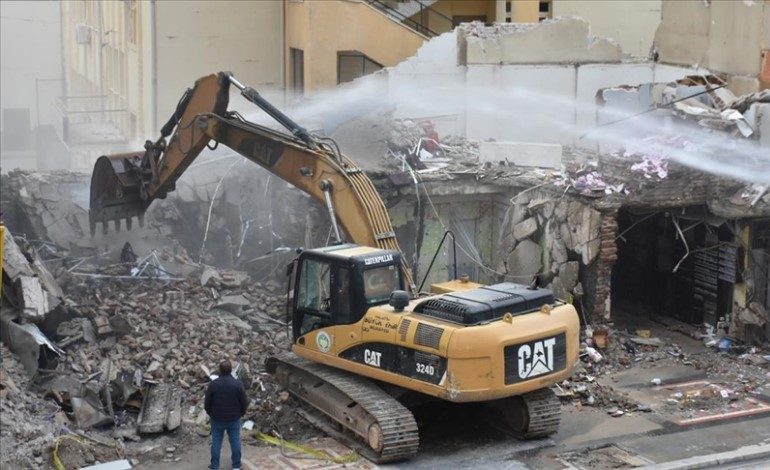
x=225, y=368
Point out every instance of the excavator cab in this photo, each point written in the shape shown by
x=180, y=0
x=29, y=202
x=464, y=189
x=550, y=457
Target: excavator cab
x=336, y=285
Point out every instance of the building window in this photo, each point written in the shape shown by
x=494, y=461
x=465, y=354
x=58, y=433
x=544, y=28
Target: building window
x=297, y=72
x=546, y=9
x=353, y=64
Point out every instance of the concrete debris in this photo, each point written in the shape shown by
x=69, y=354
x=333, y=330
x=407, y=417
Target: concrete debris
x=121, y=464
x=128, y=358
x=701, y=99
x=33, y=301
x=525, y=261
x=525, y=229
x=54, y=208
x=522, y=154
x=652, y=166
x=568, y=41
x=88, y=414
x=595, y=379
x=234, y=304
x=161, y=409
x=34, y=288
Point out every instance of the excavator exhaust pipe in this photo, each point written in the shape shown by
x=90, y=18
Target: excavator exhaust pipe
x=116, y=192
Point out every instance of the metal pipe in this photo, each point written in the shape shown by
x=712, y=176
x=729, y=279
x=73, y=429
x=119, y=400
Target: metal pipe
x=253, y=95
x=435, y=255
x=326, y=187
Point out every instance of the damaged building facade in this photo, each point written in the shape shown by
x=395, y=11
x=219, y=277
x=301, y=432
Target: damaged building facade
x=541, y=154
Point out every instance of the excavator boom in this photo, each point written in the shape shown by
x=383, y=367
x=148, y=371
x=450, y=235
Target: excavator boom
x=123, y=186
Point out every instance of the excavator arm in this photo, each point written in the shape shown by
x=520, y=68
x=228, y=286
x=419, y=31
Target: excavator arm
x=123, y=186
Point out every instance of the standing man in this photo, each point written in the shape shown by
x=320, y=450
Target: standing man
x=225, y=403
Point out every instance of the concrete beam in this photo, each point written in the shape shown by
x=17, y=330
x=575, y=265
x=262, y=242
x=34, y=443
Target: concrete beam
x=529, y=154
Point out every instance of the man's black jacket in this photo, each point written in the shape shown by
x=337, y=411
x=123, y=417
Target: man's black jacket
x=226, y=399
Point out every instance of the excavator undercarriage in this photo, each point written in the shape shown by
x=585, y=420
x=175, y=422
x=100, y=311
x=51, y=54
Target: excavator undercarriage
x=378, y=426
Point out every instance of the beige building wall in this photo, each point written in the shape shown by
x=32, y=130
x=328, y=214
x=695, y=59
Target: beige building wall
x=140, y=56
x=723, y=36
x=631, y=24
x=321, y=29
x=195, y=38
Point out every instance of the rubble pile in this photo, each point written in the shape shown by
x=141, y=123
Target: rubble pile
x=732, y=375
x=417, y=144
x=125, y=350
x=29, y=424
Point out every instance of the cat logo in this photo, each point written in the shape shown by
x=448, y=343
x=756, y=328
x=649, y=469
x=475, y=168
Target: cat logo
x=372, y=357
x=536, y=358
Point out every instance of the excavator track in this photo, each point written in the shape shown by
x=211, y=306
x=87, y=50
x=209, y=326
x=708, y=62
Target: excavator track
x=530, y=416
x=385, y=430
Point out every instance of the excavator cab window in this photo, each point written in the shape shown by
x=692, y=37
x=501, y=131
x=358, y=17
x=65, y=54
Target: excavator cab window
x=379, y=282
x=314, y=295
x=323, y=295
x=332, y=290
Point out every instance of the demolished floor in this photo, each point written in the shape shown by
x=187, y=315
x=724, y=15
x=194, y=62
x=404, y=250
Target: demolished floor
x=111, y=341
x=136, y=354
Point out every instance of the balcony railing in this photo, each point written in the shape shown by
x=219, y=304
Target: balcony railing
x=406, y=12
x=89, y=119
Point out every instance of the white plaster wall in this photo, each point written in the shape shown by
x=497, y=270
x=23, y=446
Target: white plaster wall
x=552, y=103
x=520, y=102
x=590, y=78
x=428, y=85
x=30, y=48
x=631, y=24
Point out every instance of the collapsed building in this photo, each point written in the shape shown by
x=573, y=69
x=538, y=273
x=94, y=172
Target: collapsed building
x=571, y=191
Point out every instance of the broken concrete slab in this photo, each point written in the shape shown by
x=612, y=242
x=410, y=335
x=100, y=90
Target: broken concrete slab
x=525, y=261
x=35, y=289
x=526, y=154
x=33, y=300
x=234, y=304
x=15, y=264
x=161, y=409
x=557, y=286
x=209, y=275
x=88, y=415
x=557, y=41
x=558, y=249
x=568, y=273
x=525, y=229
x=581, y=232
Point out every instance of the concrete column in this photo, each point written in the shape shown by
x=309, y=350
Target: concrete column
x=608, y=254
x=500, y=11
x=525, y=11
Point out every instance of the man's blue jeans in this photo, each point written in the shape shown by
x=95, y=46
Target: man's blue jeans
x=218, y=429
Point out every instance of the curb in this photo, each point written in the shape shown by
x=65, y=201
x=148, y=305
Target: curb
x=742, y=454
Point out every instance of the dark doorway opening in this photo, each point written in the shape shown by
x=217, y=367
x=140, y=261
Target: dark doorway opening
x=680, y=264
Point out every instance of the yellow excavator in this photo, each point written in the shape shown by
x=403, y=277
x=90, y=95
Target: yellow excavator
x=362, y=336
